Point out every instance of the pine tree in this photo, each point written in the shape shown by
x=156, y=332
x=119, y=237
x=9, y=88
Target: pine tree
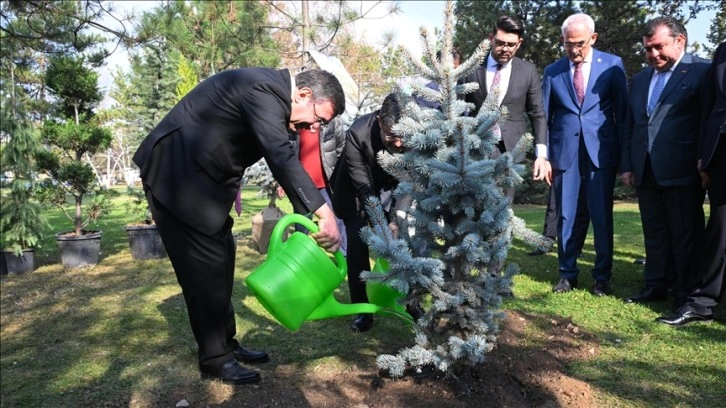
x=463, y=220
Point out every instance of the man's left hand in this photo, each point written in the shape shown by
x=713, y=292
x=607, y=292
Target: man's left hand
x=328, y=237
x=542, y=170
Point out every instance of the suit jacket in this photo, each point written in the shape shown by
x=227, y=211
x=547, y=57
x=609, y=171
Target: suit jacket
x=673, y=126
x=193, y=160
x=714, y=113
x=599, y=121
x=524, y=95
x=358, y=175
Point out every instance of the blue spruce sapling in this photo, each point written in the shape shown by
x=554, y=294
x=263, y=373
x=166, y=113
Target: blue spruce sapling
x=462, y=218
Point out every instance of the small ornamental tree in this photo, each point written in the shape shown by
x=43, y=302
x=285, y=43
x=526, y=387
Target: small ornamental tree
x=259, y=174
x=462, y=217
x=71, y=137
x=21, y=217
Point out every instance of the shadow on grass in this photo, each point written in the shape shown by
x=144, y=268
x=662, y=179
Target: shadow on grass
x=118, y=335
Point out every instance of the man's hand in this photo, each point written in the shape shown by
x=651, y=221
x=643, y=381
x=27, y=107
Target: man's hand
x=628, y=178
x=328, y=237
x=705, y=180
x=542, y=170
x=394, y=229
x=280, y=192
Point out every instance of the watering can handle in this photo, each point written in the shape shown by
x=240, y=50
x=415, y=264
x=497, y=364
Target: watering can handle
x=286, y=221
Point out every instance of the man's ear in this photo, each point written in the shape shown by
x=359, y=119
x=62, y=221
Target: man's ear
x=302, y=94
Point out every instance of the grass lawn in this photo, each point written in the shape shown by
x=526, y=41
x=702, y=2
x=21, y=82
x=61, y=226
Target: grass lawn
x=117, y=334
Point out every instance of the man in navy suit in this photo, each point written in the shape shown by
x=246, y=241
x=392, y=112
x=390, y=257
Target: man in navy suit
x=660, y=155
x=712, y=163
x=191, y=166
x=585, y=99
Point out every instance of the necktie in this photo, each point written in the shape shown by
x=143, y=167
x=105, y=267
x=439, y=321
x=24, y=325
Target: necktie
x=579, y=83
x=497, y=78
x=495, y=89
x=657, y=90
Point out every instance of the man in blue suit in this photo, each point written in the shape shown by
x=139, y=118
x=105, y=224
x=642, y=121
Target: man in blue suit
x=585, y=100
x=660, y=158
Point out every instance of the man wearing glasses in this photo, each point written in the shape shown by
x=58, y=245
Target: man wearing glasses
x=585, y=100
x=518, y=88
x=191, y=166
x=358, y=176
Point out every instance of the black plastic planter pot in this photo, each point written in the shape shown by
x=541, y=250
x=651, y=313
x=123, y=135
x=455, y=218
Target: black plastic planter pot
x=11, y=263
x=145, y=242
x=77, y=251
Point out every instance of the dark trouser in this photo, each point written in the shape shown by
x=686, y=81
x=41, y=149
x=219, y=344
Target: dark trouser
x=712, y=284
x=672, y=219
x=204, y=267
x=357, y=259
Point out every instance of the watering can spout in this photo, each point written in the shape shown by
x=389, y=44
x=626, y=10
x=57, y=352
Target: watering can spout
x=332, y=308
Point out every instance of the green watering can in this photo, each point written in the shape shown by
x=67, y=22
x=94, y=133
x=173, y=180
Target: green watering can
x=297, y=280
x=384, y=295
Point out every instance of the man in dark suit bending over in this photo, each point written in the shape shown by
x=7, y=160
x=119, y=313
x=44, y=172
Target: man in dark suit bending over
x=191, y=166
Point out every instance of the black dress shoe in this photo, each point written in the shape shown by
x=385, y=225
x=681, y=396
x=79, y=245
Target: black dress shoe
x=684, y=316
x=648, y=295
x=602, y=288
x=362, y=322
x=231, y=373
x=565, y=285
x=506, y=293
x=249, y=356
x=415, y=311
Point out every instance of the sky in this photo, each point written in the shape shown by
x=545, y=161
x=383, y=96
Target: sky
x=405, y=25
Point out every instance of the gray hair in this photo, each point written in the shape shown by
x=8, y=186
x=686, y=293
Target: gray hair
x=579, y=18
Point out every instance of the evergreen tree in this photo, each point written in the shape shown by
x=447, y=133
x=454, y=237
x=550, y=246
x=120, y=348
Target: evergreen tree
x=71, y=136
x=463, y=220
x=618, y=24
x=188, y=76
x=22, y=219
x=717, y=34
x=215, y=35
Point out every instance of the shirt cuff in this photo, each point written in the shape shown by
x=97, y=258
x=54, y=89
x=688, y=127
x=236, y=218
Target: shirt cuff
x=541, y=150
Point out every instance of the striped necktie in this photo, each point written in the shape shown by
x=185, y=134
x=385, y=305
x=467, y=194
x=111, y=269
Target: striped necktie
x=578, y=82
x=657, y=90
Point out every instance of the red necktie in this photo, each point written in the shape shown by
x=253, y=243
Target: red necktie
x=579, y=83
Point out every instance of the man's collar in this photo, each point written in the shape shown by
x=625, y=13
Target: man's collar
x=492, y=63
x=588, y=57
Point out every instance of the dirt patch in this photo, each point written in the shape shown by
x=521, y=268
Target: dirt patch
x=515, y=375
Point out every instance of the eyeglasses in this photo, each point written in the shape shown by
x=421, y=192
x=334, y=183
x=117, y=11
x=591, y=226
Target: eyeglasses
x=579, y=45
x=320, y=121
x=390, y=137
x=501, y=44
